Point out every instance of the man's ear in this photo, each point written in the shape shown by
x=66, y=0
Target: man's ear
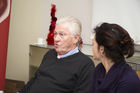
x=76, y=38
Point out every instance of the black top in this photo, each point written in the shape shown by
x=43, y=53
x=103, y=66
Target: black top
x=119, y=79
x=71, y=74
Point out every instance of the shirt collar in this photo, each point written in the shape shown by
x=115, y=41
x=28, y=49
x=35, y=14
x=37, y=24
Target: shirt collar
x=76, y=50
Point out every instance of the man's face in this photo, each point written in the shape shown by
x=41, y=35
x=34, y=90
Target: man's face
x=63, y=39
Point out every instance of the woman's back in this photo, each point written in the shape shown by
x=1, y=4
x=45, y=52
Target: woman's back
x=120, y=79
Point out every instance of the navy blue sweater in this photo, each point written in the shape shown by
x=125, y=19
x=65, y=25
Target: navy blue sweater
x=120, y=79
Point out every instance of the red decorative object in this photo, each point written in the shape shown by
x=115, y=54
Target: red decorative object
x=81, y=42
x=50, y=38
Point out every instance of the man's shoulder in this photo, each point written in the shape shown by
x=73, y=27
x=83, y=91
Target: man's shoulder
x=51, y=51
x=85, y=59
x=84, y=56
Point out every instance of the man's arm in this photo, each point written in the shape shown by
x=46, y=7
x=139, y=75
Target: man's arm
x=84, y=81
x=26, y=87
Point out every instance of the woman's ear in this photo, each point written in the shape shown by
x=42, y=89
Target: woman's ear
x=101, y=50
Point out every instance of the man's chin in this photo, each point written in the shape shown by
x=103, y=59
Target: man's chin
x=58, y=51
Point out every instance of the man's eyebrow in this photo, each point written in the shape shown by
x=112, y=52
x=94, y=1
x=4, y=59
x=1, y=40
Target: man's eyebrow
x=60, y=31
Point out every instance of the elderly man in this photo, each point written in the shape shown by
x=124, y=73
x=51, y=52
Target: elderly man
x=64, y=69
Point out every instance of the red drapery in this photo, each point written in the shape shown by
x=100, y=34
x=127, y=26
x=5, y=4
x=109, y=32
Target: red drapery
x=5, y=7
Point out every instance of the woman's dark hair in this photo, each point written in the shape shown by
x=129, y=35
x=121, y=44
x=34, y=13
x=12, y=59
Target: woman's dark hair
x=116, y=41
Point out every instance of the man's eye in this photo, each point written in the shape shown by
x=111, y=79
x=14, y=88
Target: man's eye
x=61, y=34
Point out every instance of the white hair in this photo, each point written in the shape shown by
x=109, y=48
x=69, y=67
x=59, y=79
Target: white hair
x=72, y=23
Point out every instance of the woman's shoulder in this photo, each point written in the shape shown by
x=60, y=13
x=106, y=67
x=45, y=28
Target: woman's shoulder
x=130, y=80
x=99, y=66
x=129, y=84
x=129, y=73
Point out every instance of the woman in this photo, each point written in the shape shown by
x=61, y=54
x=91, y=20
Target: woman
x=111, y=44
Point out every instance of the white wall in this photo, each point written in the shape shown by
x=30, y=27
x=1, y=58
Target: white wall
x=25, y=28
x=123, y=12
x=82, y=9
